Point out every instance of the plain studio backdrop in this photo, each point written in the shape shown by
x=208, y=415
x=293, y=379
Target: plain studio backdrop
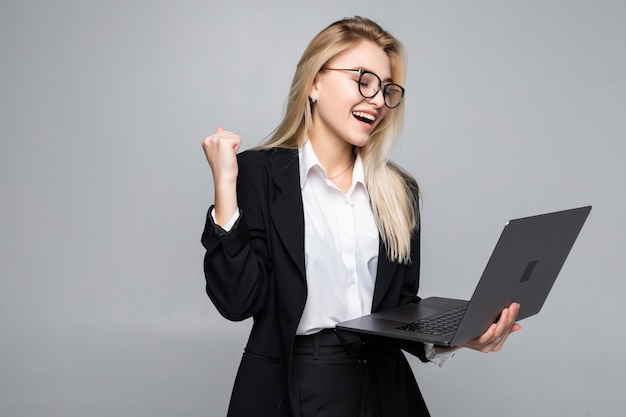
x=513, y=108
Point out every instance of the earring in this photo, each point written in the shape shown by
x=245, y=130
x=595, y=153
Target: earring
x=313, y=98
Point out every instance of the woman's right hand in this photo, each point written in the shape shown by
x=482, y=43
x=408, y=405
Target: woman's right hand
x=221, y=152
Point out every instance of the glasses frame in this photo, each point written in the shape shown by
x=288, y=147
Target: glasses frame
x=380, y=84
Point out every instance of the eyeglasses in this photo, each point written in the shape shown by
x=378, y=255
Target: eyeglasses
x=370, y=84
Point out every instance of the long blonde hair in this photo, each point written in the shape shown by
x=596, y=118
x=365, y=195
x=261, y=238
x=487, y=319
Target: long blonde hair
x=393, y=192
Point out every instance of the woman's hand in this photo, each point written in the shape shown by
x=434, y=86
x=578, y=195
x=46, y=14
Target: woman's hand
x=495, y=336
x=221, y=152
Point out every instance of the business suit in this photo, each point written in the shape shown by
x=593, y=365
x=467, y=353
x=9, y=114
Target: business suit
x=258, y=270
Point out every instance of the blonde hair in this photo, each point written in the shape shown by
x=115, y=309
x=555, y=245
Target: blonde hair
x=393, y=192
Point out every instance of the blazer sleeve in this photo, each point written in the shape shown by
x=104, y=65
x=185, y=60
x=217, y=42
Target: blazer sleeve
x=236, y=263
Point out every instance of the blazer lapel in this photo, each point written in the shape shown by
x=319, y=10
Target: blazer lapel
x=384, y=276
x=287, y=210
x=288, y=215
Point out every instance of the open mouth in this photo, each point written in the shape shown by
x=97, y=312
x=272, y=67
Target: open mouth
x=364, y=117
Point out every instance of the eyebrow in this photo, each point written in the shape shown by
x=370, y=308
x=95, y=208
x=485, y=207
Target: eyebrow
x=384, y=80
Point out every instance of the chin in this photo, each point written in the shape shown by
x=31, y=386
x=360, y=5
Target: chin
x=358, y=141
x=361, y=140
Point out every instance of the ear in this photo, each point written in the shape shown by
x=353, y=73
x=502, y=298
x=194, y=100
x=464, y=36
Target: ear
x=314, y=92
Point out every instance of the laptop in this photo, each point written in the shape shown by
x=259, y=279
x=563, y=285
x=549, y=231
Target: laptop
x=522, y=268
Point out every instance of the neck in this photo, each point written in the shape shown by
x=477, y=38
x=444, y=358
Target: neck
x=345, y=170
x=334, y=157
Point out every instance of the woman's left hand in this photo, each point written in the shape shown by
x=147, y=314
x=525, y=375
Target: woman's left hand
x=495, y=336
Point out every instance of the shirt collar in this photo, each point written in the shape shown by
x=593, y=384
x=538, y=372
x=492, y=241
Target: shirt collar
x=308, y=161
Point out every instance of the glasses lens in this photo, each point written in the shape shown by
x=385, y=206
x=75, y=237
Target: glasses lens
x=369, y=84
x=393, y=95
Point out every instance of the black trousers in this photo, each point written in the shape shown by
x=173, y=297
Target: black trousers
x=332, y=384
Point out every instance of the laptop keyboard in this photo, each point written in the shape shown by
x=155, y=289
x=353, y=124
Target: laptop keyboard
x=437, y=326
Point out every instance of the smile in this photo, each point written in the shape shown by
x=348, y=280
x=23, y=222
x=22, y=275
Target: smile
x=364, y=117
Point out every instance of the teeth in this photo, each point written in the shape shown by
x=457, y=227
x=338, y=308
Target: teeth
x=364, y=115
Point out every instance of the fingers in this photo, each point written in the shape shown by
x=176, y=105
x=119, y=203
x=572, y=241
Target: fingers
x=494, y=337
x=505, y=326
x=221, y=149
x=484, y=343
x=220, y=138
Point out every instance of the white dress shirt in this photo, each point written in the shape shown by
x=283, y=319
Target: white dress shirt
x=340, y=245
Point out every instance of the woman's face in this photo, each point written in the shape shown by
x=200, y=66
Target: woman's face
x=341, y=112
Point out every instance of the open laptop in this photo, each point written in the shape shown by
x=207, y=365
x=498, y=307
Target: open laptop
x=522, y=268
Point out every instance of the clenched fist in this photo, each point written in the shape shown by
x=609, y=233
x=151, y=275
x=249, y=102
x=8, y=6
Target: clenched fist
x=221, y=151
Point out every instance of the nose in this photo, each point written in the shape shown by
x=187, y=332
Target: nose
x=378, y=99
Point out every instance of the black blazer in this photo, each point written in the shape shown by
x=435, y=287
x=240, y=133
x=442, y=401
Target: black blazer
x=257, y=270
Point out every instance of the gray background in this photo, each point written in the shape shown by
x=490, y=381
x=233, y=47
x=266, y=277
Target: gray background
x=513, y=108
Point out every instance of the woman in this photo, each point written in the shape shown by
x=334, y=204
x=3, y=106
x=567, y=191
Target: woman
x=316, y=227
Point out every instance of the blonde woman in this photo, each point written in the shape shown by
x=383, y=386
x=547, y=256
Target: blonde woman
x=316, y=226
